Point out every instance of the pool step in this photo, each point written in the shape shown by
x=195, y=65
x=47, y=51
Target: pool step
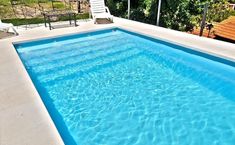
x=58, y=47
x=81, y=68
x=73, y=52
x=70, y=40
x=79, y=59
x=83, y=62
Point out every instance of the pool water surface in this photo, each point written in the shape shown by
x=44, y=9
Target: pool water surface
x=114, y=87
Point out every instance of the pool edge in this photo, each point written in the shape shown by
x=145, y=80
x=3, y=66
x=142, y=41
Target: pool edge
x=9, y=61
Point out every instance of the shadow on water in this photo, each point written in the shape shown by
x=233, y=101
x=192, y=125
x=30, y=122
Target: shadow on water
x=55, y=115
x=48, y=102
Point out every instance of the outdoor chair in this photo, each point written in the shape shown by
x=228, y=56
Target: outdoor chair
x=99, y=10
x=56, y=12
x=7, y=26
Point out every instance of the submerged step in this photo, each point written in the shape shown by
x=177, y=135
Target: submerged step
x=75, y=59
x=41, y=47
x=57, y=47
x=76, y=50
x=59, y=74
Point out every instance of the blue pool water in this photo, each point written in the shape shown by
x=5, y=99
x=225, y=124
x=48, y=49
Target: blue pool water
x=113, y=87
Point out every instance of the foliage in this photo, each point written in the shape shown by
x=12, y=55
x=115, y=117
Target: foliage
x=219, y=11
x=118, y=7
x=138, y=15
x=7, y=2
x=19, y=21
x=31, y=7
x=175, y=14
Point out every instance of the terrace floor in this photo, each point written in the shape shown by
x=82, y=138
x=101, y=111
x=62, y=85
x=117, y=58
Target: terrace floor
x=24, y=119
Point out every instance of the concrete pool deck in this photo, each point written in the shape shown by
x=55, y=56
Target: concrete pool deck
x=24, y=119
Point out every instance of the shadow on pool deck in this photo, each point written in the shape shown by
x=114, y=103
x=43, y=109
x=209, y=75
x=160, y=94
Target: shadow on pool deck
x=104, y=21
x=6, y=35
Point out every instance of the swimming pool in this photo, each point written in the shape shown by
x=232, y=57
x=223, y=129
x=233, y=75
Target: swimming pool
x=115, y=87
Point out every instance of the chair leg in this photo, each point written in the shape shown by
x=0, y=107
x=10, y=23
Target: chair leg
x=14, y=30
x=75, y=20
x=70, y=23
x=16, y=33
x=94, y=20
x=45, y=20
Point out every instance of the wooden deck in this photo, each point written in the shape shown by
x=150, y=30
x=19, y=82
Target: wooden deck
x=205, y=33
x=226, y=29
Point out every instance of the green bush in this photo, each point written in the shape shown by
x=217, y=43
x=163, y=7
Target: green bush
x=175, y=14
x=18, y=21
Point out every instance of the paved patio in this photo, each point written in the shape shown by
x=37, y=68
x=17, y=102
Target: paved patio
x=24, y=119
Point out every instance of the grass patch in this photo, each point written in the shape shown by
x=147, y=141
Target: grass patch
x=18, y=21
x=7, y=2
x=6, y=9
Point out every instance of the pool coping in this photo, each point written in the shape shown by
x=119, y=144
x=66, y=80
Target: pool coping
x=25, y=119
